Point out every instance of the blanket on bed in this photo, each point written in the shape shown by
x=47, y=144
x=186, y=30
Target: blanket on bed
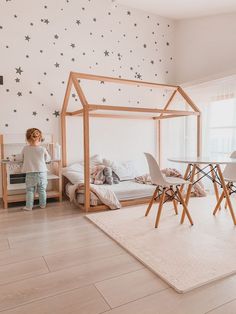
x=198, y=188
x=107, y=196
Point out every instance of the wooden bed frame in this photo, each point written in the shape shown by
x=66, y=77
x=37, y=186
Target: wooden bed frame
x=89, y=109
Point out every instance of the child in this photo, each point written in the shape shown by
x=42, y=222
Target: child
x=34, y=158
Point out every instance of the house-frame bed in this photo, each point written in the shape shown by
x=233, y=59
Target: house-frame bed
x=92, y=110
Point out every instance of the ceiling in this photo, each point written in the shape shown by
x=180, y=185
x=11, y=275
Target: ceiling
x=182, y=9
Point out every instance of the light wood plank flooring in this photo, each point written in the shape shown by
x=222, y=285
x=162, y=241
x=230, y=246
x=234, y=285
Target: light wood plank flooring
x=54, y=260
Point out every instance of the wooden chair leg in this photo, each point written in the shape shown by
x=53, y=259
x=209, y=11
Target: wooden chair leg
x=185, y=209
x=151, y=202
x=160, y=208
x=218, y=203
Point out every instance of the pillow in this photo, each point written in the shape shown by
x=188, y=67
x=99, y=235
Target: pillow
x=73, y=176
x=124, y=169
x=77, y=167
x=94, y=161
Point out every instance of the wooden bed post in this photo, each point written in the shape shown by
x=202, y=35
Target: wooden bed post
x=199, y=135
x=159, y=125
x=199, y=119
x=63, y=121
x=86, y=141
x=86, y=158
x=159, y=141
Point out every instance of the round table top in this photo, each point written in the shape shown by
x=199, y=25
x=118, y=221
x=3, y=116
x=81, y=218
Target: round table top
x=203, y=160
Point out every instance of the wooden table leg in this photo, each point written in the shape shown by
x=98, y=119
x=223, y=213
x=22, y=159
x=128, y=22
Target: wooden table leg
x=214, y=184
x=218, y=203
x=185, y=209
x=187, y=171
x=189, y=191
x=226, y=193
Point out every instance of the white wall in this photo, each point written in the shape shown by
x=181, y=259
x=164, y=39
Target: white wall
x=48, y=39
x=205, y=48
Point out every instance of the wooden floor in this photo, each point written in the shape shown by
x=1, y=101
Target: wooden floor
x=55, y=261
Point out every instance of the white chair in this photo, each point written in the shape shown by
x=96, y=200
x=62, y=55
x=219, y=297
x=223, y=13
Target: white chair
x=229, y=175
x=167, y=188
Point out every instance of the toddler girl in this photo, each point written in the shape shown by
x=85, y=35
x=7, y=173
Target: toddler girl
x=34, y=158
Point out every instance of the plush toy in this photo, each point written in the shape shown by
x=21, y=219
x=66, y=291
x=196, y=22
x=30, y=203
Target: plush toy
x=116, y=179
x=110, y=176
x=107, y=171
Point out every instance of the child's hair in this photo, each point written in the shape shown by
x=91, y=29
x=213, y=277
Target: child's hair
x=33, y=135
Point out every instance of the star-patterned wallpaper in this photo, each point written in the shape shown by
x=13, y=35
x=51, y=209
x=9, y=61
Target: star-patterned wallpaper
x=42, y=41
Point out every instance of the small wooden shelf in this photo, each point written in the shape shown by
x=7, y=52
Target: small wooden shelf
x=14, y=198
x=15, y=192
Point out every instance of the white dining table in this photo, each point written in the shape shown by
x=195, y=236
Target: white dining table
x=210, y=167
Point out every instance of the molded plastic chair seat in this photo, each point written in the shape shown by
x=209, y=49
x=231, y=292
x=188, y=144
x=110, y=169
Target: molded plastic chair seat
x=174, y=181
x=167, y=188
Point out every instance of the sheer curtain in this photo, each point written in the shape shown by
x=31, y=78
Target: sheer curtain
x=217, y=103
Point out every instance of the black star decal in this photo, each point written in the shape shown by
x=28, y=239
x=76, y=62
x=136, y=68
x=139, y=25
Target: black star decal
x=73, y=95
x=6, y=125
x=72, y=45
x=19, y=70
x=78, y=22
x=56, y=36
x=45, y=7
x=104, y=99
x=1, y=27
x=27, y=38
x=31, y=24
x=46, y=21
x=14, y=110
x=57, y=65
x=27, y=56
x=41, y=51
x=19, y=94
x=34, y=113
x=17, y=80
x=73, y=59
x=56, y=113
x=44, y=73
x=47, y=119
x=152, y=62
x=7, y=90
x=128, y=13
x=106, y=53
x=94, y=19
x=101, y=82
x=15, y=16
x=138, y=75
x=135, y=24
x=144, y=46
x=167, y=44
x=30, y=92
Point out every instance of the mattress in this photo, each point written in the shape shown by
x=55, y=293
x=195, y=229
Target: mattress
x=124, y=191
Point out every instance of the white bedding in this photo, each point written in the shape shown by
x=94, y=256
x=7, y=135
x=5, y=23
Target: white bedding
x=124, y=191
